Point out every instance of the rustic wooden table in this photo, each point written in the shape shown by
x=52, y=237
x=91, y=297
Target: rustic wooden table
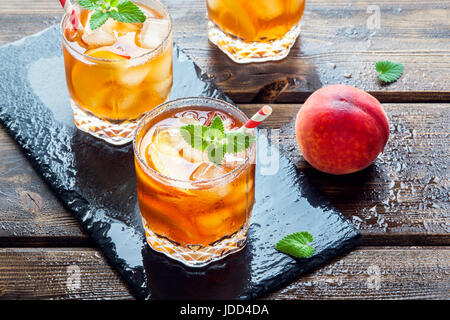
x=400, y=203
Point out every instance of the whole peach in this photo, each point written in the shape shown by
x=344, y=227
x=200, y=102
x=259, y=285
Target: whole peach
x=341, y=129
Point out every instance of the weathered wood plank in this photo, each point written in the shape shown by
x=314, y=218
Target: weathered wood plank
x=366, y=273
x=403, y=199
x=335, y=46
x=43, y=273
x=29, y=211
x=378, y=273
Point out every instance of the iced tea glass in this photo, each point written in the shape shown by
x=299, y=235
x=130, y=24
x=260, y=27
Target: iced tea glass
x=192, y=210
x=254, y=30
x=117, y=72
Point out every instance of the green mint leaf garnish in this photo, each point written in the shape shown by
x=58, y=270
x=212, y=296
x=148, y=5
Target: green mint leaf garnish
x=88, y=4
x=213, y=135
x=217, y=124
x=98, y=18
x=194, y=135
x=296, y=244
x=389, y=71
x=119, y=10
x=128, y=12
x=216, y=131
x=215, y=140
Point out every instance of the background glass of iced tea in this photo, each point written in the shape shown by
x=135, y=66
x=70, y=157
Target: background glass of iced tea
x=118, y=72
x=192, y=210
x=254, y=30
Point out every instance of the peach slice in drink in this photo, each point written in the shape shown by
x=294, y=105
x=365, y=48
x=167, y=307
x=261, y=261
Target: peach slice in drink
x=108, y=53
x=164, y=154
x=160, y=217
x=235, y=17
x=132, y=76
x=267, y=9
x=209, y=224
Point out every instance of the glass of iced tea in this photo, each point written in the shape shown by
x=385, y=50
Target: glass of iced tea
x=254, y=30
x=193, y=210
x=118, y=71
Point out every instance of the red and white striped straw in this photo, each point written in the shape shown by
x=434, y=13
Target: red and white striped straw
x=257, y=118
x=68, y=8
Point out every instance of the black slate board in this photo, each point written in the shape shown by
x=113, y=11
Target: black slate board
x=97, y=183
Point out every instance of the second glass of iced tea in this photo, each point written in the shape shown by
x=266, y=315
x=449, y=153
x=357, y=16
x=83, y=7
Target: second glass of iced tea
x=254, y=30
x=117, y=72
x=193, y=210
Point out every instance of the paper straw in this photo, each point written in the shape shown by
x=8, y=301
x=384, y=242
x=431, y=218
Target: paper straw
x=257, y=118
x=68, y=8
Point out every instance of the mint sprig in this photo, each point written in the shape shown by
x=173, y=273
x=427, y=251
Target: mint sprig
x=98, y=18
x=217, y=124
x=215, y=140
x=389, y=71
x=128, y=12
x=119, y=10
x=89, y=4
x=297, y=245
x=194, y=135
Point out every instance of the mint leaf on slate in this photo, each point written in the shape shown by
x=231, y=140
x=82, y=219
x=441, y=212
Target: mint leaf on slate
x=296, y=244
x=389, y=71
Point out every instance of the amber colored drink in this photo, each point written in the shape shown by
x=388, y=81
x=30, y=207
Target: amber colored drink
x=254, y=30
x=118, y=72
x=193, y=210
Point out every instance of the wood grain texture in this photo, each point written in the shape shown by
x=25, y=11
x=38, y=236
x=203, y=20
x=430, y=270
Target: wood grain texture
x=29, y=211
x=335, y=46
x=378, y=273
x=39, y=273
x=366, y=273
x=402, y=199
